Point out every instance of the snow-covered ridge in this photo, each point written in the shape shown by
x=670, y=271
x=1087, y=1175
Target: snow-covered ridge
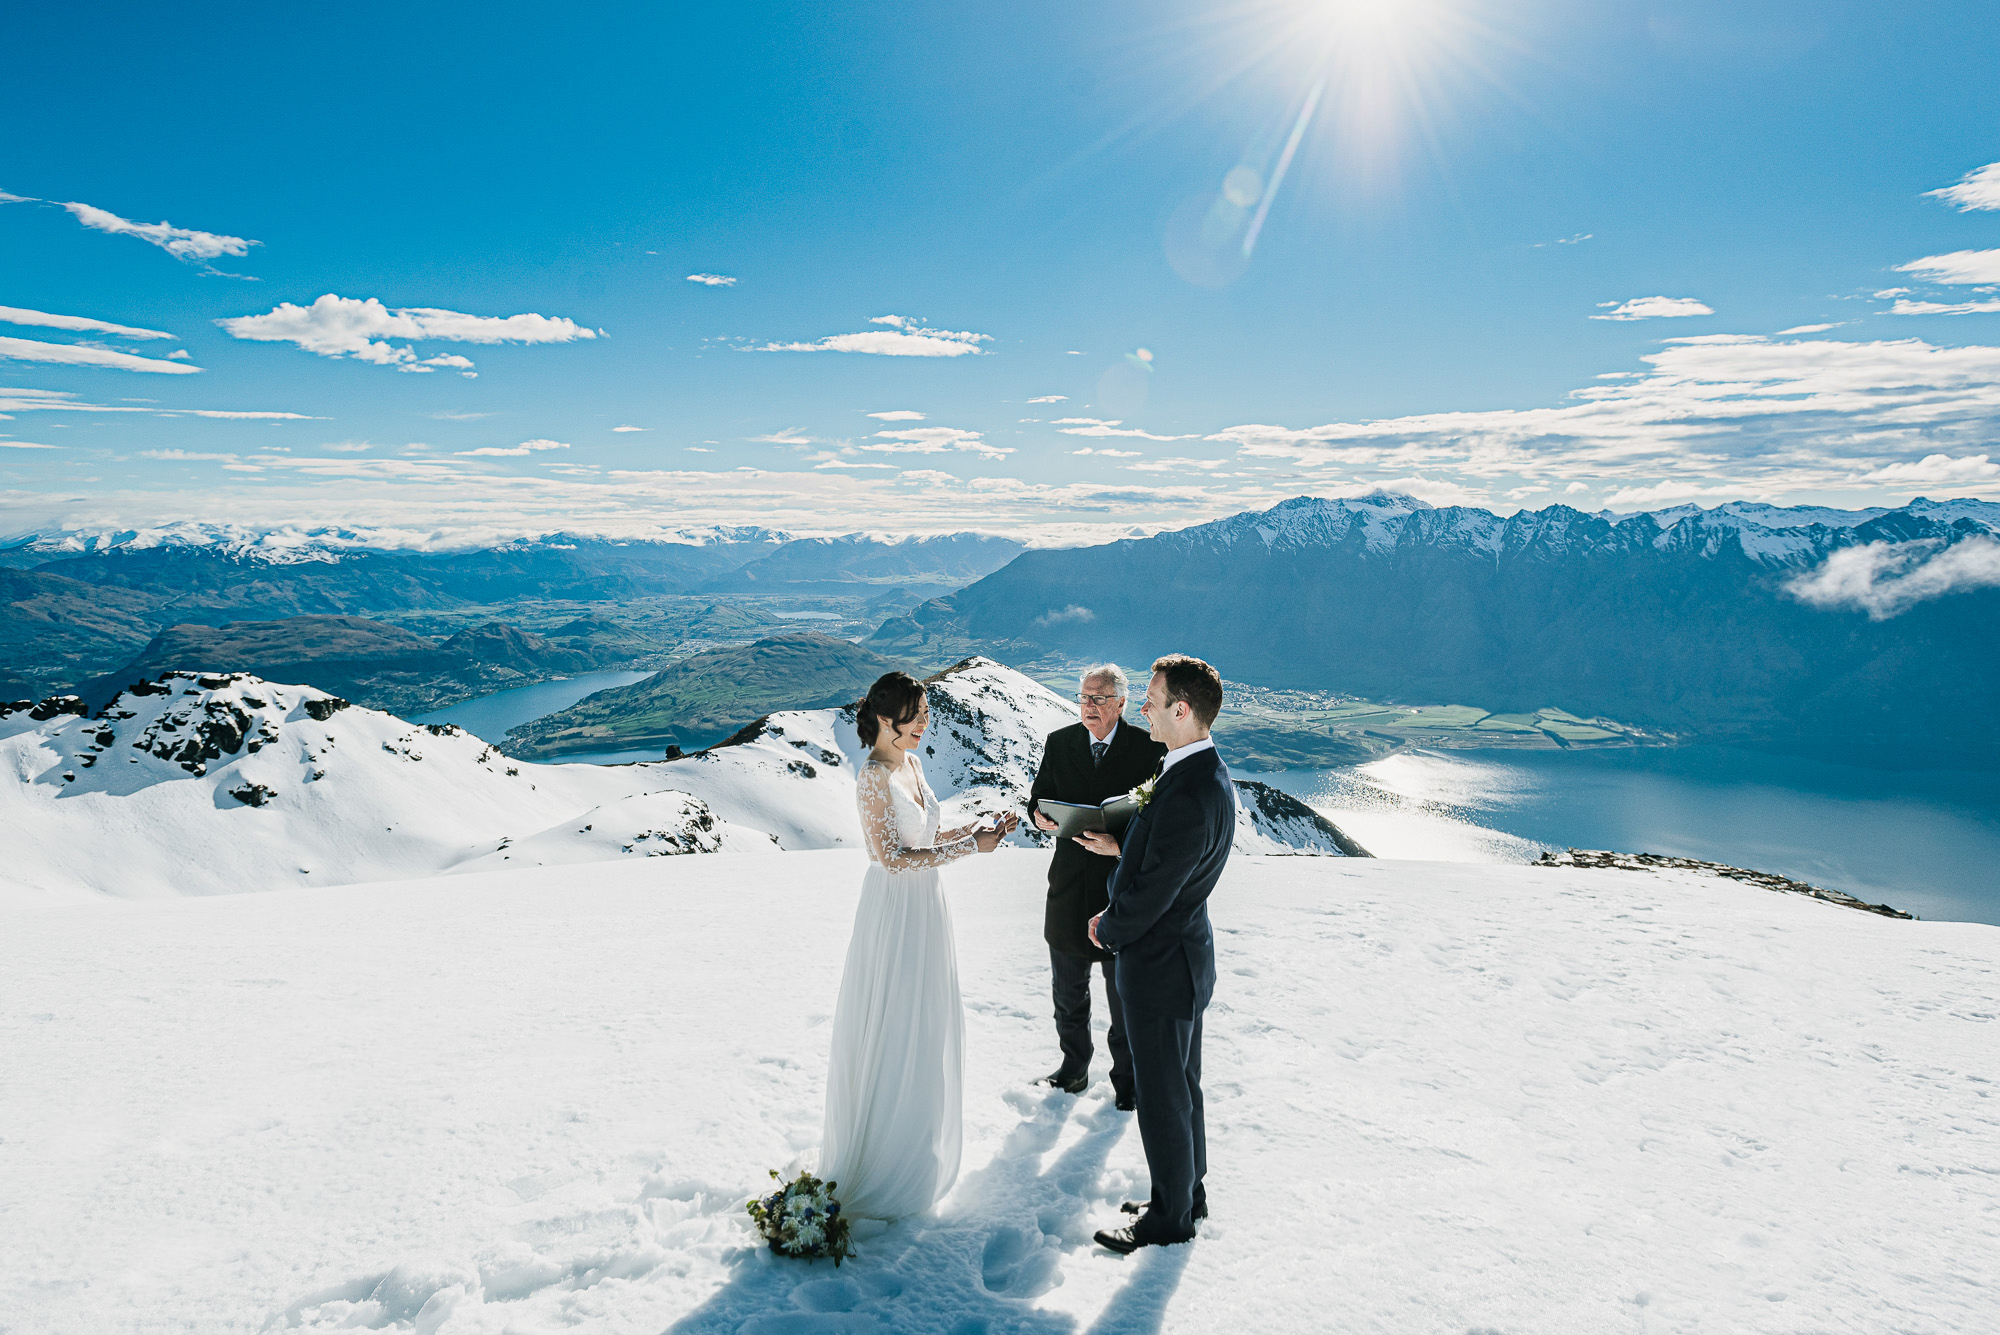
x=207, y=784
x=1386, y=522
x=196, y=784
x=287, y=545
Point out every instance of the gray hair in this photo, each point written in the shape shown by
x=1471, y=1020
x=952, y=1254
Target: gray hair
x=1110, y=672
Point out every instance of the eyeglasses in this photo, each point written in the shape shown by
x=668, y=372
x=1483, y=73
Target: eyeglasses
x=1099, y=699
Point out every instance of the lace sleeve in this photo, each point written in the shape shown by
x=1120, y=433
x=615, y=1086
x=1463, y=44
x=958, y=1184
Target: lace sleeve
x=879, y=827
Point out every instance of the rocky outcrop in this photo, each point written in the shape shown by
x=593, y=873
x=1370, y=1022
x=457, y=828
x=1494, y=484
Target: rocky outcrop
x=1268, y=815
x=1596, y=857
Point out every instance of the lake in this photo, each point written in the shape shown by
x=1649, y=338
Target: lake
x=488, y=717
x=1925, y=842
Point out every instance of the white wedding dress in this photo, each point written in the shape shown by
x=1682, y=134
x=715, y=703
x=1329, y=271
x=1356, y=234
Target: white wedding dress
x=894, y=1084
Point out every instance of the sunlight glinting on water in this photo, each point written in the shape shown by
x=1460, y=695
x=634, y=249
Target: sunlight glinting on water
x=1414, y=806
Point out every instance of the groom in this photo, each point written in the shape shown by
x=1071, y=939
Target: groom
x=1172, y=855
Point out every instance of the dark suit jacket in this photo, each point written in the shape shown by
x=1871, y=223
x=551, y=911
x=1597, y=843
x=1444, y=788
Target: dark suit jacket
x=1170, y=859
x=1076, y=876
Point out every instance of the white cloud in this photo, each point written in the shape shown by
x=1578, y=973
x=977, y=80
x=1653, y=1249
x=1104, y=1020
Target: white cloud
x=1653, y=308
x=240, y=416
x=351, y=447
x=699, y=449
x=1576, y=239
x=25, y=445
x=1960, y=266
x=1176, y=465
x=849, y=463
x=180, y=355
x=76, y=323
x=906, y=338
x=1937, y=470
x=1735, y=415
x=709, y=279
x=1671, y=493
x=1072, y=352
x=1108, y=453
x=1889, y=292
x=935, y=440
x=335, y=326
x=71, y=354
x=1071, y=615
x=899, y=415
x=32, y=400
x=1809, y=329
x=463, y=365
x=189, y=456
x=460, y=417
x=6, y=198
x=180, y=242
x=791, y=435
x=1885, y=579
x=1097, y=426
x=1051, y=398
x=1977, y=189
x=1575, y=487
x=514, y=452
x=628, y=428
x=1907, y=307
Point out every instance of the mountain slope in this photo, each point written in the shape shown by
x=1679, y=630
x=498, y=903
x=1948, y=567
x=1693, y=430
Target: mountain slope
x=370, y=662
x=707, y=696
x=55, y=630
x=1684, y=621
x=859, y=563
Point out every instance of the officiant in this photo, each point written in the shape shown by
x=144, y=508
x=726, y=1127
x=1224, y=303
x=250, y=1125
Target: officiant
x=1093, y=759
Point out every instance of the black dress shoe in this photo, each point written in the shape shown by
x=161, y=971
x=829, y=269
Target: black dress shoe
x=1127, y=1103
x=1124, y=1241
x=1066, y=1082
x=1200, y=1210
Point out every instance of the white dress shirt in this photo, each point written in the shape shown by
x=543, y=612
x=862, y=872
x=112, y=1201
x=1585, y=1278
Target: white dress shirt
x=1180, y=753
x=1108, y=737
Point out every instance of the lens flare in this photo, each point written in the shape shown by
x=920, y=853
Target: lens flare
x=1368, y=76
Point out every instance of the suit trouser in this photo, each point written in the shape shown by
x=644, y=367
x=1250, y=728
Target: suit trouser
x=1071, y=975
x=1166, y=1058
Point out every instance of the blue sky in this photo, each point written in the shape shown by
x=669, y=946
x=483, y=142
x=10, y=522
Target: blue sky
x=1054, y=198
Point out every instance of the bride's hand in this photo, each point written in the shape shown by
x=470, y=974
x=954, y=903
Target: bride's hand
x=989, y=838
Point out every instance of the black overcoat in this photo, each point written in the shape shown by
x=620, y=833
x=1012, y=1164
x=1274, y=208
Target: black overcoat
x=1077, y=877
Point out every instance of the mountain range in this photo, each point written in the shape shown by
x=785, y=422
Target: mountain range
x=74, y=606
x=1869, y=634
x=703, y=698
x=374, y=663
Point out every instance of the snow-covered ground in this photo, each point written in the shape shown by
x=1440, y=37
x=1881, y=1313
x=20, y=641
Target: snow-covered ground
x=1442, y=1098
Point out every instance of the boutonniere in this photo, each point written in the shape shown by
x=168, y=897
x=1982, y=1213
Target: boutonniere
x=1143, y=793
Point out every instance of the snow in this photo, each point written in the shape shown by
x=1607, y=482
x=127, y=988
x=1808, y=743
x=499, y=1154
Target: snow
x=1442, y=1098
x=208, y=785
x=291, y=545
x=1775, y=535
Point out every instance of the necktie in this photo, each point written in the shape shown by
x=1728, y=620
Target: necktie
x=1097, y=750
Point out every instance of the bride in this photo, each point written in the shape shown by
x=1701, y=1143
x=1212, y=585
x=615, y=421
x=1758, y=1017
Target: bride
x=893, y=1085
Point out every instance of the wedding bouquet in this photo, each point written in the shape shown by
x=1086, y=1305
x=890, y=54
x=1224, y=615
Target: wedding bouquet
x=802, y=1219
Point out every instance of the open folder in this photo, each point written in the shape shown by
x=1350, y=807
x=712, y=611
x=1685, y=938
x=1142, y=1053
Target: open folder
x=1112, y=815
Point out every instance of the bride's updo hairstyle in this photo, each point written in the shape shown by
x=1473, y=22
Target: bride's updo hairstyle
x=895, y=696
